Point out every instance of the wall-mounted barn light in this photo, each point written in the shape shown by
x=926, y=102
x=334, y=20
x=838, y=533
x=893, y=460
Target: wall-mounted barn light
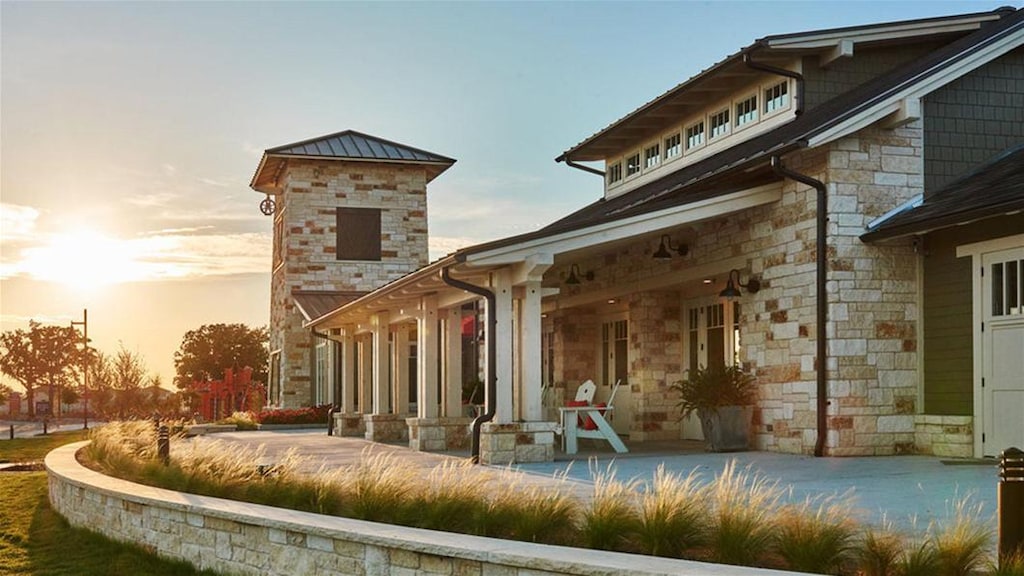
x=665, y=249
x=575, y=274
x=731, y=290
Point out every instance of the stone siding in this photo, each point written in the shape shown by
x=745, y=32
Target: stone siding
x=307, y=227
x=521, y=442
x=947, y=436
x=238, y=538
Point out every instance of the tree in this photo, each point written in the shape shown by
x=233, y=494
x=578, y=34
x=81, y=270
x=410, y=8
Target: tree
x=101, y=378
x=129, y=375
x=207, y=351
x=41, y=356
x=5, y=392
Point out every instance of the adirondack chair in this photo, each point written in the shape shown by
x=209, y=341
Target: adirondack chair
x=581, y=418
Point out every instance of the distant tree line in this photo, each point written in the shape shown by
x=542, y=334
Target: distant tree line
x=120, y=385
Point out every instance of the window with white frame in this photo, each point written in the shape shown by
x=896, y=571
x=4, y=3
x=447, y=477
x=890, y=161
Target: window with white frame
x=719, y=123
x=652, y=156
x=776, y=97
x=673, y=146
x=614, y=352
x=633, y=164
x=615, y=173
x=746, y=111
x=695, y=135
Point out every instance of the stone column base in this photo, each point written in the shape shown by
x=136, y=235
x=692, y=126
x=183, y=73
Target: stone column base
x=385, y=428
x=517, y=442
x=438, y=434
x=349, y=425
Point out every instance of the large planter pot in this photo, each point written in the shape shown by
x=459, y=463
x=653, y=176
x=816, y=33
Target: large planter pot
x=727, y=428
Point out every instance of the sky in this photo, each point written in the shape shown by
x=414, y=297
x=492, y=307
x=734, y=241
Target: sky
x=129, y=131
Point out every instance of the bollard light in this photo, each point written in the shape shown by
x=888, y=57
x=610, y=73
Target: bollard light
x=1010, y=503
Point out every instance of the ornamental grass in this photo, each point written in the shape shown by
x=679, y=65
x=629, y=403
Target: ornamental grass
x=737, y=517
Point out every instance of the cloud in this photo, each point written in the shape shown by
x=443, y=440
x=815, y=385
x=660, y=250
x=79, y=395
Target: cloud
x=217, y=183
x=444, y=245
x=17, y=222
x=151, y=200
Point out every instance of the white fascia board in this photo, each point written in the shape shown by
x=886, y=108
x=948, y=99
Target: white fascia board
x=875, y=34
x=629, y=227
x=917, y=89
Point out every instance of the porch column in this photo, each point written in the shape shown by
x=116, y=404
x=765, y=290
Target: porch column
x=530, y=353
x=426, y=358
x=400, y=370
x=453, y=362
x=381, y=364
x=503, y=340
x=365, y=376
x=347, y=402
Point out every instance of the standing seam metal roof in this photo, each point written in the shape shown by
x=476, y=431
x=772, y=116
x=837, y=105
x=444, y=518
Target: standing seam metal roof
x=355, y=145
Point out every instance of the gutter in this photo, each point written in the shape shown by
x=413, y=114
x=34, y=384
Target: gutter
x=781, y=72
x=572, y=164
x=490, y=406
x=821, y=295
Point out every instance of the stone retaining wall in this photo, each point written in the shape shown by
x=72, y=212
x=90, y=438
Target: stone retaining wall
x=239, y=538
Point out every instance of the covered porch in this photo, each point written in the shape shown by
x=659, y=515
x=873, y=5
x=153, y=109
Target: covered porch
x=632, y=300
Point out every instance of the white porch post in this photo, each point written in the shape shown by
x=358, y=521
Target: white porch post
x=530, y=353
x=400, y=360
x=365, y=379
x=426, y=358
x=453, y=362
x=347, y=358
x=503, y=341
x=381, y=364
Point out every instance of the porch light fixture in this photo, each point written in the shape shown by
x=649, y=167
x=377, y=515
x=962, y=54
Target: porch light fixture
x=574, y=275
x=731, y=290
x=665, y=249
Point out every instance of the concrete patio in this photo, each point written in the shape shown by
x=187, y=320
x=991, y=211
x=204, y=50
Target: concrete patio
x=909, y=491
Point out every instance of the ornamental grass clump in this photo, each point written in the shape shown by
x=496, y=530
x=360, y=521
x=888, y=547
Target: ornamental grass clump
x=453, y=499
x=744, y=509
x=672, y=515
x=880, y=552
x=962, y=544
x=816, y=536
x=380, y=488
x=531, y=513
x=1011, y=564
x=611, y=520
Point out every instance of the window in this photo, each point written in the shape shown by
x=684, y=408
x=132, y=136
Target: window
x=720, y=123
x=547, y=345
x=673, y=146
x=652, y=156
x=320, y=373
x=614, y=352
x=776, y=97
x=712, y=334
x=615, y=173
x=746, y=111
x=633, y=164
x=695, y=135
x=1008, y=288
x=358, y=234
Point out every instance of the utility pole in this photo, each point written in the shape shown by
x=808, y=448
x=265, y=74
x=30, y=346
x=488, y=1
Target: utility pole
x=85, y=365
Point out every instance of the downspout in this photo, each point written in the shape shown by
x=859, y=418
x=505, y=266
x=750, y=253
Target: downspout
x=490, y=406
x=572, y=164
x=821, y=295
x=781, y=72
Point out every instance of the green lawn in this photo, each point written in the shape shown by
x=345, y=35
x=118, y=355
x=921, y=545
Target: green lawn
x=35, y=449
x=36, y=540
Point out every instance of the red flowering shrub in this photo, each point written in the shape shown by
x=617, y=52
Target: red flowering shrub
x=313, y=415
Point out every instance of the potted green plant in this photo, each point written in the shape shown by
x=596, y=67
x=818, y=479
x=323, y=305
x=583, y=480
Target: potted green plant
x=723, y=399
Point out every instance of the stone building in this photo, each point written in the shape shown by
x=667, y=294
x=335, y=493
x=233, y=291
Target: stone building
x=859, y=189
x=350, y=215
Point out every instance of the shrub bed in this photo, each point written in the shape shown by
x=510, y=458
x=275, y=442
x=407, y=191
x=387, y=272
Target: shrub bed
x=739, y=517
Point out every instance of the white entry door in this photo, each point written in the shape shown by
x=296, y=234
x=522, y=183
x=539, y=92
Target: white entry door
x=1002, y=339
x=614, y=364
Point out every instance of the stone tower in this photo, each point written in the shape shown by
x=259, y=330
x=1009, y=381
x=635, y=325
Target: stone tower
x=350, y=215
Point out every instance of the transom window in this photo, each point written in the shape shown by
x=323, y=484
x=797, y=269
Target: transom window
x=615, y=173
x=1008, y=288
x=652, y=156
x=720, y=123
x=746, y=111
x=673, y=146
x=776, y=97
x=695, y=135
x=633, y=164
